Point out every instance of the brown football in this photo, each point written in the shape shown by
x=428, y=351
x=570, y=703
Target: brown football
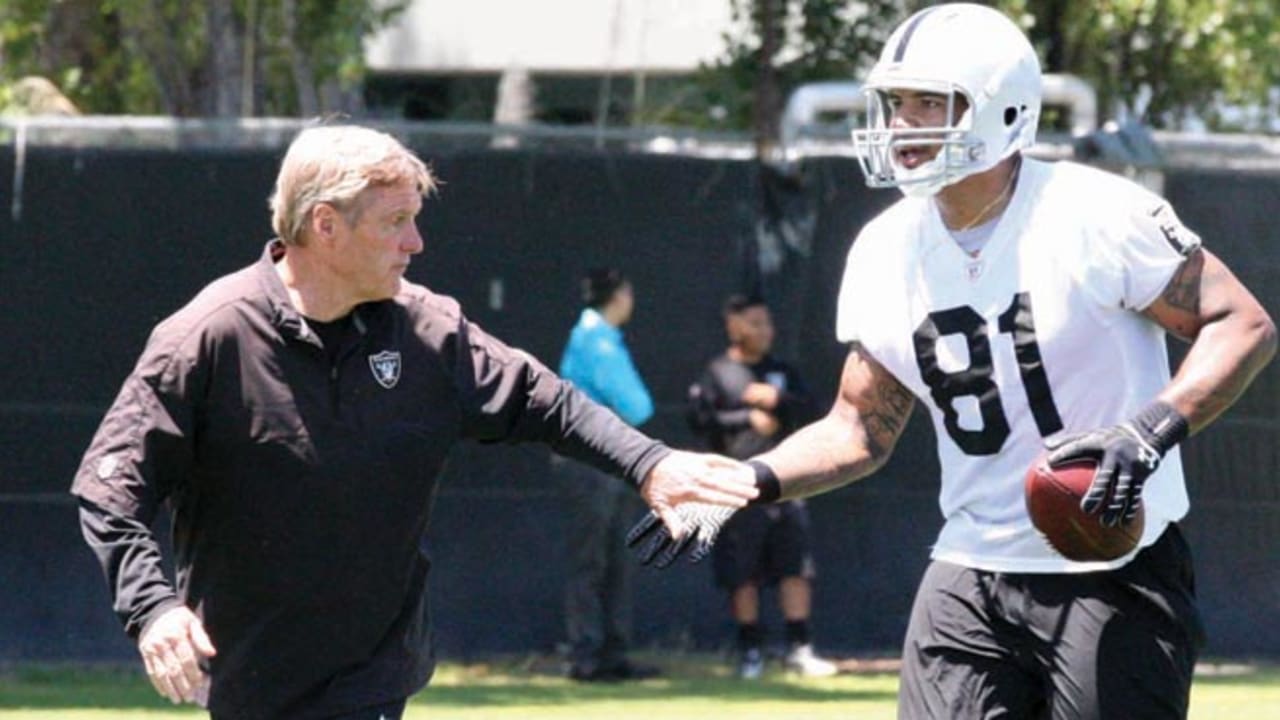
x=1053, y=501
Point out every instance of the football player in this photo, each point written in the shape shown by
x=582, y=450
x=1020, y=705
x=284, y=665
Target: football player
x=1024, y=304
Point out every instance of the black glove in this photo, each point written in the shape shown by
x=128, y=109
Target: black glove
x=1126, y=454
x=702, y=523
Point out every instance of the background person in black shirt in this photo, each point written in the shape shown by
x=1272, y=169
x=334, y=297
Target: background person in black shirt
x=295, y=416
x=745, y=403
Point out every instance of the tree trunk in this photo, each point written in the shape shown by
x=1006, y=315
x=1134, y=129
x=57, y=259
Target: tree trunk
x=1053, y=24
x=163, y=35
x=69, y=38
x=304, y=78
x=765, y=110
x=249, y=65
x=224, y=59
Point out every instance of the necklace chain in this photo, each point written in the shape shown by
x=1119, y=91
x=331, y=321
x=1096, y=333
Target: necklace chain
x=1013, y=175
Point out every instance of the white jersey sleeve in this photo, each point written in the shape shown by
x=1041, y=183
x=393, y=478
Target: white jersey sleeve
x=1136, y=245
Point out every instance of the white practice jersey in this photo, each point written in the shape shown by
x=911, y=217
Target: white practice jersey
x=1038, y=335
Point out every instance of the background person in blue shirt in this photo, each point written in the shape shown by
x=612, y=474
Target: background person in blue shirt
x=601, y=508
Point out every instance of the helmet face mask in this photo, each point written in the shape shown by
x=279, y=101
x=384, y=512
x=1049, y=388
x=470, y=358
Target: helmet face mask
x=988, y=73
x=952, y=145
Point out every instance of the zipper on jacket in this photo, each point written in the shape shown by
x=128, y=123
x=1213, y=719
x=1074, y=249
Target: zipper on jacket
x=334, y=390
x=355, y=345
x=348, y=347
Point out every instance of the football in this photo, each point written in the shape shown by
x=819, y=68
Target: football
x=1053, y=501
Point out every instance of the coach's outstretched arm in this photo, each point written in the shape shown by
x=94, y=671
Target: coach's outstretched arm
x=853, y=440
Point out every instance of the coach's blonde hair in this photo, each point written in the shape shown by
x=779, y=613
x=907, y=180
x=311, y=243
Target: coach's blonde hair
x=333, y=164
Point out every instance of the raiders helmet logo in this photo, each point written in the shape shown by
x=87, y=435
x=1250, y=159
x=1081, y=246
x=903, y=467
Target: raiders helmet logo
x=386, y=368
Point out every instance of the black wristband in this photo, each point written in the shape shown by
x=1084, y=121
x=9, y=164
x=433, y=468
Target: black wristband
x=1163, y=426
x=766, y=482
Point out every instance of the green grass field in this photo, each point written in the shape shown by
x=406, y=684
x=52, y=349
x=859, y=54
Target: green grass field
x=696, y=687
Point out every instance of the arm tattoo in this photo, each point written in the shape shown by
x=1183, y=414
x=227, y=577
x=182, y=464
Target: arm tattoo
x=1183, y=291
x=854, y=439
x=884, y=413
x=885, y=419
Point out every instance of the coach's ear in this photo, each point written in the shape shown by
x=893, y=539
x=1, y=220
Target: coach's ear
x=324, y=224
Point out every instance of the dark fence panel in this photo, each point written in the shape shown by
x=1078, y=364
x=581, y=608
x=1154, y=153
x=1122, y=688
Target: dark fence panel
x=108, y=242
x=1233, y=467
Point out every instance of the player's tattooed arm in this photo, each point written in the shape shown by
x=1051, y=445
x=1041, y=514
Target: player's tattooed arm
x=1231, y=336
x=854, y=439
x=1178, y=307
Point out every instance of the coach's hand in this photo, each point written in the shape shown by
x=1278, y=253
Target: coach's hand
x=172, y=647
x=683, y=477
x=701, y=523
x=1127, y=454
x=667, y=531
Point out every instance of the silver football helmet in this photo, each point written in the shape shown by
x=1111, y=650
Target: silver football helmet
x=955, y=50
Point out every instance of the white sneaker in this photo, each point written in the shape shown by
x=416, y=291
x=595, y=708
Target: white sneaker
x=802, y=661
x=752, y=665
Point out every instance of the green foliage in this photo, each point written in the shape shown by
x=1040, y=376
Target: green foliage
x=21, y=25
x=1165, y=62
x=329, y=34
x=167, y=56
x=817, y=40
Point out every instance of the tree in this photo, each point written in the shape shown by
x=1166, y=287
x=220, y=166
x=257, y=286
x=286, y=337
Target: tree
x=1166, y=63
x=195, y=57
x=773, y=47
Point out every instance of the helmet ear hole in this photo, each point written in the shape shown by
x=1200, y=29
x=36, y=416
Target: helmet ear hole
x=1011, y=114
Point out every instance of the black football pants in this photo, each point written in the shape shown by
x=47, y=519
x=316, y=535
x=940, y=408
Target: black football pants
x=1118, y=644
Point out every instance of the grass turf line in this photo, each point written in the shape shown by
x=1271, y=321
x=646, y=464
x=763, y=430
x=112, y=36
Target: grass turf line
x=694, y=687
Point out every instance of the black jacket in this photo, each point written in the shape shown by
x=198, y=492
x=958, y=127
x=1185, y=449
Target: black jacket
x=300, y=481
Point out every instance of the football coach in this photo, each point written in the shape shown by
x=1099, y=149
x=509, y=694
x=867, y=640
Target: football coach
x=295, y=416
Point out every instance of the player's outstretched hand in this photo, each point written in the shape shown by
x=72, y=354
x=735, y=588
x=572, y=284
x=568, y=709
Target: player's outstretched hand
x=654, y=543
x=172, y=647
